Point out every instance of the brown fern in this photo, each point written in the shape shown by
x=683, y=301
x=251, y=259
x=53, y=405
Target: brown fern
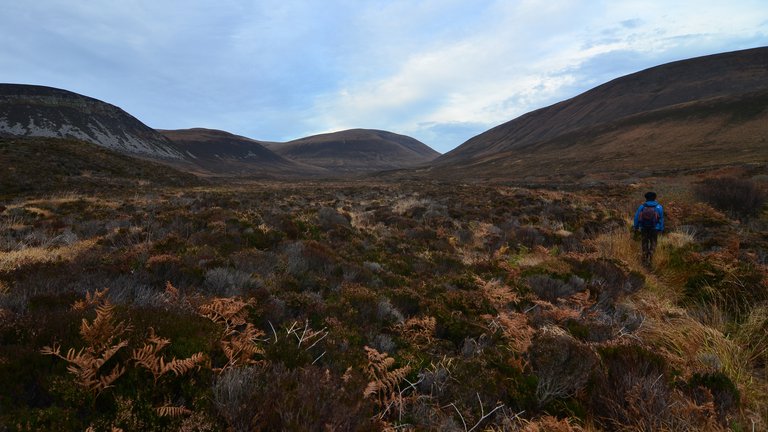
x=418, y=331
x=101, y=336
x=230, y=312
x=384, y=385
x=172, y=411
x=86, y=365
x=104, y=329
x=240, y=347
x=240, y=339
x=91, y=299
x=148, y=357
x=174, y=298
x=171, y=292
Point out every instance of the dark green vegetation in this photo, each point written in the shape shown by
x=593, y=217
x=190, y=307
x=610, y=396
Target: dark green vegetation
x=39, y=166
x=363, y=306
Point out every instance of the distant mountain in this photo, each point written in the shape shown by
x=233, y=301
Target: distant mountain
x=226, y=154
x=36, y=111
x=701, y=112
x=357, y=151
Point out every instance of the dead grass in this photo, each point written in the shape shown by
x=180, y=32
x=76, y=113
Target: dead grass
x=619, y=244
x=11, y=261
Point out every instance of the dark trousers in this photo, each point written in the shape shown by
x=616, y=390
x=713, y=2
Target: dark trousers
x=648, y=237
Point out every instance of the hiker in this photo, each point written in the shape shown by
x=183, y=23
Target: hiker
x=649, y=221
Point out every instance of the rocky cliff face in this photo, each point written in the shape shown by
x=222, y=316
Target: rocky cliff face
x=48, y=112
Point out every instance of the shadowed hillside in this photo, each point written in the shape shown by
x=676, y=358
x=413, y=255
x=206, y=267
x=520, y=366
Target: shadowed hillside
x=226, y=154
x=44, y=165
x=357, y=150
x=695, y=113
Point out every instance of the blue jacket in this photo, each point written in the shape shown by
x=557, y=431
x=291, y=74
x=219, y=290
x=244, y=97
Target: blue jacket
x=659, y=211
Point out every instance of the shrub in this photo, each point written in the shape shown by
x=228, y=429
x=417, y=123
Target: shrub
x=562, y=364
x=328, y=218
x=276, y=398
x=551, y=289
x=610, y=278
x=717, y=387
x=234, y=393
x=226, y=282
x=635, y=392
x=741, y=197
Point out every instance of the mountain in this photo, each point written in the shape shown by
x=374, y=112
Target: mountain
x=689, y=114
x=36, y=111
x=223, y=153
x=357, y=151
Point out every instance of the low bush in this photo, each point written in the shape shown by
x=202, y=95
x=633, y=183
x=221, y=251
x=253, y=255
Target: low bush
x=562, y=364
x=740, y=197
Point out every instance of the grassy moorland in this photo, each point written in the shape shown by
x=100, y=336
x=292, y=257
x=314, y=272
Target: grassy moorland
x=380, y=306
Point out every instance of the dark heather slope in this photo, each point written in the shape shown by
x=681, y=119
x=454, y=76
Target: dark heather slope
x=357, y=151
x=223, y=153
x=692, y=113
x=41, y=166
x=36, y=111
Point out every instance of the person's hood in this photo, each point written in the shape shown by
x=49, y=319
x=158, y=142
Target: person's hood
x=651, y=203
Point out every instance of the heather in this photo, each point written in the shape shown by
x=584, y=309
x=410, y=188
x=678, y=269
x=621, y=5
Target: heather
x=366, y=305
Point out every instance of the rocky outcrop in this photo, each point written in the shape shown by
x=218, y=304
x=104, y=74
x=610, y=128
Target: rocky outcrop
x=36, y=111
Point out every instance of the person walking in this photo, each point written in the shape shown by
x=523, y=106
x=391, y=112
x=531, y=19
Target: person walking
x=649, y=221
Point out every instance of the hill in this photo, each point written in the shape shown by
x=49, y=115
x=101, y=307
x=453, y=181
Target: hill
x=357, y=151
x=690, y=114
x=37, y=111
x=224, y=153
x=41, y=166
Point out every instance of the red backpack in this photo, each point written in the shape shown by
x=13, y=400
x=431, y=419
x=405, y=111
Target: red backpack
x=648, y=216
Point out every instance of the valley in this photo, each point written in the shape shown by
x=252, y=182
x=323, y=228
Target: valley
x=199, y=280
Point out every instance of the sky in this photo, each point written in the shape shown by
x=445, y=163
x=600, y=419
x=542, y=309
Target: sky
x=441, y=71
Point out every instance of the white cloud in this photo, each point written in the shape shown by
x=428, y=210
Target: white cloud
x=281, y=69
x=527, y=55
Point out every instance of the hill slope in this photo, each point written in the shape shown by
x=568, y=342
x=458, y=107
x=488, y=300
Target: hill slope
x=41, y=166
x=700, y=112
x=357, y=151
x=227, y=154
x=27, y=110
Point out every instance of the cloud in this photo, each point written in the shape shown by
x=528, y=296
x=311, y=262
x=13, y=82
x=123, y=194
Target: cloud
x=440, y=70
x=528, y=55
